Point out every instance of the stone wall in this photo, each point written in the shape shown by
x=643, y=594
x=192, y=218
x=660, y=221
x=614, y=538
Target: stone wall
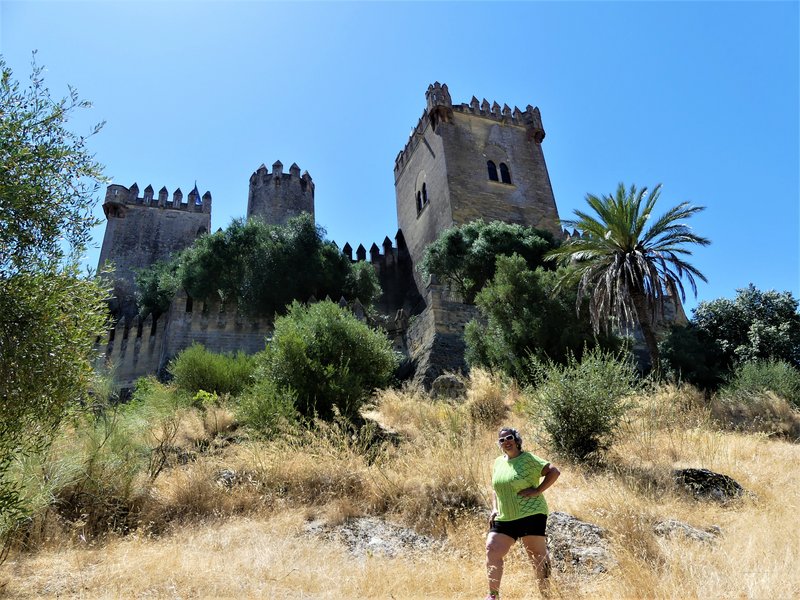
x=435, y=338
x=137, y=348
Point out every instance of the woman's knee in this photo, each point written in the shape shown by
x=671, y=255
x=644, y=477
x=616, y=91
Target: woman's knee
x=495, y=549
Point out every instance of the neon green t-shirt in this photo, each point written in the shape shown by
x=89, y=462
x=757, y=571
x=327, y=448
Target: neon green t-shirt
x=509, y=476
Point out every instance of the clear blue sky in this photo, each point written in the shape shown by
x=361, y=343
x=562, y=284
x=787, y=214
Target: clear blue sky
x=702, y=97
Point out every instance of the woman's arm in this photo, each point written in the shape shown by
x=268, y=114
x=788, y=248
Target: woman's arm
x=550, y=473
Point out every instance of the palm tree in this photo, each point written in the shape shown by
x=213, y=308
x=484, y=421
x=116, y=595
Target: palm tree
x=628, y=271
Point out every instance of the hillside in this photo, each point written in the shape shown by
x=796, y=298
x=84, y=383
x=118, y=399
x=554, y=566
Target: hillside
x=230, y=516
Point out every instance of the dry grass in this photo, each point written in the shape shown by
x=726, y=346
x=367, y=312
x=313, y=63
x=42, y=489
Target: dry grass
x=245, y=539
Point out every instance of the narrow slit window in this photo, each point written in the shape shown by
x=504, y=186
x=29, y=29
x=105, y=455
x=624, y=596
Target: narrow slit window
x=505, y=176
x=424, y=195
x=419, y=201
x=492, y=170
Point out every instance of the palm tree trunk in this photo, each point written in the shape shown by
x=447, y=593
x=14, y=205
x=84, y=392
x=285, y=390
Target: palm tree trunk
x=647, y=325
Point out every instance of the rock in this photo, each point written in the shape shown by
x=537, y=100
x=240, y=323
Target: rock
x=577, y=545
x=365, y=536
x=226, y=478
x=448, y=386
x=708, y=485
x=672, y=527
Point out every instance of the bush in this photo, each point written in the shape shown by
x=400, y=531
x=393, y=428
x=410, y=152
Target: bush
x=197, y=369
x=754, y=379
x=329, y=358
x=580, y=404
x=266, y=408
x=524, y=313
x=464, y=256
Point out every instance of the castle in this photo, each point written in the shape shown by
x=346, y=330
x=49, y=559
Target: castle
x=461, y=162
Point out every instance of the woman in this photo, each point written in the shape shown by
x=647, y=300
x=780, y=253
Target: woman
x=519, y=509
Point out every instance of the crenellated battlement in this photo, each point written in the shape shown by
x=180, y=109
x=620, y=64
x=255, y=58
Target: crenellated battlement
x=119, y=198
x=263, y=176
x=386, y=255
x=440, y=108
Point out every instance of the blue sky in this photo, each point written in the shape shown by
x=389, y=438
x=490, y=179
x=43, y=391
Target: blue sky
x=702, y=97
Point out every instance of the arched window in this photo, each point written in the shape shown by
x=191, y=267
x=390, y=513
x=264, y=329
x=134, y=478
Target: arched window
x=492, y=170
x=505, y=176
x=424, y=195
x=419, y=201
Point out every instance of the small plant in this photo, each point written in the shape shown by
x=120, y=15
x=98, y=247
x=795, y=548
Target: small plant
x=197, y=369
x=580, y=404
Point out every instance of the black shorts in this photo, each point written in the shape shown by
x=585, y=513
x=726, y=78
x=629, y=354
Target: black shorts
x=533, y=525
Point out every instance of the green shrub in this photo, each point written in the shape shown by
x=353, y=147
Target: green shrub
x=524, y=313
x=197, y=369
x=329, y=358
x=266, y=408
x=580, y=404
x=755, y=378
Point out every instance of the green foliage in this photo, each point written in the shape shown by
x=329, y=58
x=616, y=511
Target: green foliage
x=49, y=316
x=266, y=408
x=755, y=378
x=197, y=369
x=755, y=325
x=156, y=286
x=464, y=256
x=362, y=283
x=523, y=315
x=627, y=261
x=328, y=358
x=262, y=267
x=724, y=334
x=47, y=176
x=580, y=404
x=691, y=355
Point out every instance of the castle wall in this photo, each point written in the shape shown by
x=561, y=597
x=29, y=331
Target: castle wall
x=277, y=197
x=137, y=348
x=424, y=163
x=435, y=337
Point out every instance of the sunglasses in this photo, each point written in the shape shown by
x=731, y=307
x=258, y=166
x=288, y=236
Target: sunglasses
x=507, y=438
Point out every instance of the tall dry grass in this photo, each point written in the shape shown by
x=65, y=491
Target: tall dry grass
x=204, y=536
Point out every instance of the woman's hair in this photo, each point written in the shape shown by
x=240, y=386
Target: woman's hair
x=515, y=433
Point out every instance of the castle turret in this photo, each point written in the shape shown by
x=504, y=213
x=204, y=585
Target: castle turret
x=277, y=197
x=142, y=231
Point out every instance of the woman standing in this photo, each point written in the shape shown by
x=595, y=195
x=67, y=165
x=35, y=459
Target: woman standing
x=519, y=509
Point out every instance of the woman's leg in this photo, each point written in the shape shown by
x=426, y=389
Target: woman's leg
x=536, y=547
x=497, y=546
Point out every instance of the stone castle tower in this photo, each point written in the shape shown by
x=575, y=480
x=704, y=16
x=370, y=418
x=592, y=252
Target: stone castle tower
x=143, y=230
x=277, y=197
x=471, y=161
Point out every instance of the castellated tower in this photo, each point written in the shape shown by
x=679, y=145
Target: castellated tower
x=142, y=231
x=469, y=161
x=277, y=197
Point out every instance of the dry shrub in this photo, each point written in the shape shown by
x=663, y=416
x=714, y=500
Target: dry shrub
x=218, y=420
x=763, y=412
x=487, y=398
x=195, y=491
